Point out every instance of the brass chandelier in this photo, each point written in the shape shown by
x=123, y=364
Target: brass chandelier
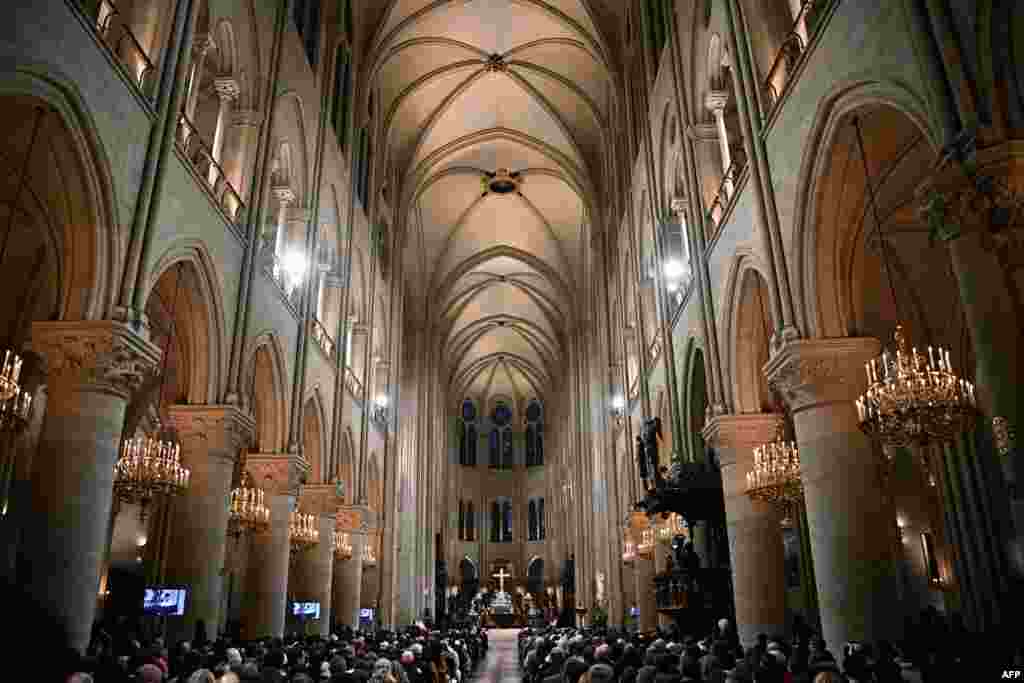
x=15, y=412
x=248, y=513
x=911, y=398
x=303, y=532
x=150, y=467
x=10, y=372
x=342, y=545
x=775, y=477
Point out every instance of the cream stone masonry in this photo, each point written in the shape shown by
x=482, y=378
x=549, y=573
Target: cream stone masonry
x=93, y=368
x=211, y=439
x=851, y=523
x=755, y=537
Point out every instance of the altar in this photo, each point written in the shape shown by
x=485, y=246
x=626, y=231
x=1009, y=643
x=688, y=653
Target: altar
x=501, y=612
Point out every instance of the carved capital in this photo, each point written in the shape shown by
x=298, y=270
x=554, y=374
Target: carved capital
x=735, y=436
x=953, y=203
x=809, y=373
x=227, y=88
x=278, y=473
x=353, y=519
x=218, y=430
x=680, y=206
x=496, y=63
x=101, y=355
x=321, y=500
x=202, y=44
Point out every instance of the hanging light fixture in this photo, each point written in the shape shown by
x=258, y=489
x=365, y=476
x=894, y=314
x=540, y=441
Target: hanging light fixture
x=342, y=545
x=150, y=467
x=775, y=477
x=912, y=398
x=303, y=532
x=15, y=412
x=248, y=512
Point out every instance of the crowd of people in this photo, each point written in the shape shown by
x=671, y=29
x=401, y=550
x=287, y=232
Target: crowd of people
x=567, y=655
x=415, y=655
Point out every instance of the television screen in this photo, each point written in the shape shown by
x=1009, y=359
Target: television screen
x=163, y=601
x=310, y=610
x=366, y=614
x=634, y=612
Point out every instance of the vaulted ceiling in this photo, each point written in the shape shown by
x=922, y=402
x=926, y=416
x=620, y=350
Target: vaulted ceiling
x=469, y=88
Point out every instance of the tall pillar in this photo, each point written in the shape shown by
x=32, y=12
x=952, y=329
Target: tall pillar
x=756, y=552
x=351, y=582
x=851, y=523
x=93, y=369
x=200, y=49
x=239, y=153
x=716, y=102
x=263, y=609
x=211, y=438
x=315, y=568
x=964, y=213
x=227, y=92
x=643, y=575
x=359, y=337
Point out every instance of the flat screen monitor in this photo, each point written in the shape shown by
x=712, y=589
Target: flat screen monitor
x=308, y=610
x=164, y=601
x=634, y=612
x=366, y=614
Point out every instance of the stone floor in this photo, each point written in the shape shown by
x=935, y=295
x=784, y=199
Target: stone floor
x=501, y=665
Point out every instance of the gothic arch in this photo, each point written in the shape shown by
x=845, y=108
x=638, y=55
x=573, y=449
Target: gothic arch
x=695, y=398
x=200, y=320
x=314, y=437
x=811, y=290
x=746, y=311
x=346, y=466
x=290, y=128
x=87, y=244
x=266, y=379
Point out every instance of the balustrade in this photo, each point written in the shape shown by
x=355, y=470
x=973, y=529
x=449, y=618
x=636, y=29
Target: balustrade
x=113, y=30
x=275, y=270
x=724, y=196
x=215, y=181
x=793, y=48
x=354, y=386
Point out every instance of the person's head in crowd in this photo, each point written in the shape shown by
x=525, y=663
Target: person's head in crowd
x=149, y=673
x=828, y=677
x=202, y=676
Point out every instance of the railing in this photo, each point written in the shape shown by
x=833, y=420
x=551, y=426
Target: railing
x=322, y=338
x=780, y=75
x=114, y=32
x=703, y=589
x=724, y=196
x=216, y=181
x=654, y=351
x=275, y=271
x=634, y=391
x=352, y=383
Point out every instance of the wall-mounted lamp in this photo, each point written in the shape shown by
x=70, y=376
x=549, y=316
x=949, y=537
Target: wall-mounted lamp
x=294, y=263
x=901, y=522
x=618, y=408
x=380, y=408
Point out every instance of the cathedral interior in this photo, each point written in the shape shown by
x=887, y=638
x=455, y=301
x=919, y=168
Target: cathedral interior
x=622, y=312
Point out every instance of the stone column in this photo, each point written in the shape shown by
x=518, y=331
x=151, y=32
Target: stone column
x=661, y=552
x=93, y=369
x=756, y=552
x=200, y=49
x=285, y=197
x=315, y=568
x=211, y=438
x=716, y=102
x=643, y=575
x=964, y=213
x=263, y=608
x=360, y=335
x=227, y=92
x=851, y=523
x=239, y=153
x=351, y=582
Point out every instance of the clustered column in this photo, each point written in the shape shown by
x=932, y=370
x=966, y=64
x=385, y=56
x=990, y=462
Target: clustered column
x=755, y=538
x=93, y=369
x=351, y=582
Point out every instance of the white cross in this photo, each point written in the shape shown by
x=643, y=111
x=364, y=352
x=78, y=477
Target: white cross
x=501, y=576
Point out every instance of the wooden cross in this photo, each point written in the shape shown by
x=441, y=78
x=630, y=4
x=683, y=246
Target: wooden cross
x=501, y=576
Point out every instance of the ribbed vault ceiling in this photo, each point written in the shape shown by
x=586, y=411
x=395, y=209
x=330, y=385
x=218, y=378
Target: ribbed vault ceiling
x=471, y=87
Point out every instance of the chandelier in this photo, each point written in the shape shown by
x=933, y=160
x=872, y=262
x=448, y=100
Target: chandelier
x=247, y=512
x=369, y=556
x=303, y=532
x=342, y=545
x=671, y=527
x=14, y=412
x=911, y=398
x=149, y=468
x=775, y=478
x=9, y=374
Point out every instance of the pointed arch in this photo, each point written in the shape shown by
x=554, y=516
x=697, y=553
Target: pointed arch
x=266, y=385
x=747, y=314
x=314, y=436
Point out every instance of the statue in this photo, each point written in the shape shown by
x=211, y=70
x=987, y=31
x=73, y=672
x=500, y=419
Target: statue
x=641, y=459
x=652, y=432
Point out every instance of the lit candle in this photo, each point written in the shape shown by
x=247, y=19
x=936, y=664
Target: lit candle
x=931, y=358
